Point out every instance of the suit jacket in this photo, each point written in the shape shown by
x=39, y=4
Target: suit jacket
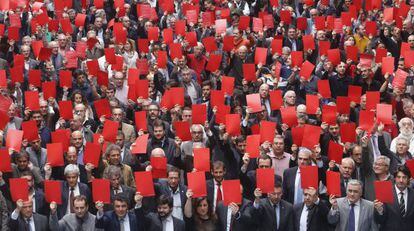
x=242, y=221
x=391, y=218
x=128, y=158
x=109, y=222
x=164, y=189
x=289, y=176
x=264, y=216
x=299, y=45
x=34, y=159
x=316, y=215
x=127, y=191
x=251, y=184
x=152, y=222
x=339, y=217
x=40, y=223
x=70, y=223
x=83, y=190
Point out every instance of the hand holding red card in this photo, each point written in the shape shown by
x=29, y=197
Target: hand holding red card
x=197, y=183
x=5, y=161
x=92, y=153
x=309, y=176
x=55, y=154
x=231, y=192
x=384, y=191
x=144, y=183
x=100, y=190
x=333, y=183
x=140, y=145
x=335, y=152
x=265, y=179
x=19, y=189
x=202, y=159
x=53, y=191
x=252, y=145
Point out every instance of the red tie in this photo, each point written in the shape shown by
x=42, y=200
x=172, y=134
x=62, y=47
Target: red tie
x=219, y=196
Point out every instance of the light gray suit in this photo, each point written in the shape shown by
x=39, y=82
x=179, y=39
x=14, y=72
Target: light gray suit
x=339, y=217
x=70, y=223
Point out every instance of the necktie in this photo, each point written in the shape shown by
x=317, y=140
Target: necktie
x=80, y=222
x=219, y=196
x=71, y=198
x=276, y=223
x=309, y=216
x=28, y=227
x=351, y=218
x=121, y=224
x=402, y=204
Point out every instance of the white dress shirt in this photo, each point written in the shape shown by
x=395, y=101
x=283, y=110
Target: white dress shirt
x=168, y=224
x=76, y=192
x=215, y=193
x=303, y=224
x=126, y=223
x=177, y=209
x=298, y=187
x=357, y=208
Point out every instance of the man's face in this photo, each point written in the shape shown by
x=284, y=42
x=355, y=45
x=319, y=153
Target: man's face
x=62, y=41
x=22, y=163
x=164, y=211
x=119, y=141
x=173, y=179
x=27, y=209
x=341, y=69
x=153, y=112
x=186, y=75
x=346, y=169
x=402, y=181
x=218, y=174
x=241, y=146
x=242, y=53
x=75, y=124
x=197, y=134
x=264, y=163
x=117, y=115
x=292, y=33
x=310, y=196
x=206, y=91
x=357, y=155
x=71, y=157
x=12, y=111
x=38, y=118
x=264, y=91
x=43, y=107
x=120, y=208
x=35, y=144
x=80, y=207
x=380, y=167
x=110, y=93
x=26, y=52
x=187, y=115
x=406, y=128
x=291, y=99
x=303, y=159
x=353, y=193
x=77, y=140
x=159, y=132
x=276, y=195
x=114, y=180
x=402, y=146
x=114, y=157
x=278, y=146
x=334, y=130
x=72, y=179
x=119, y=80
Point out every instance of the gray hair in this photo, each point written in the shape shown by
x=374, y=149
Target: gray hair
x=405, y=119
x=71, y=169
x=112, y=171
x=385, y=159
x=349, y=160
x=355, y=182
x=111, y=148
x=305, y=150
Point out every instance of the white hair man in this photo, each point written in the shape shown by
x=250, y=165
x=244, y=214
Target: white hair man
x=406, y=126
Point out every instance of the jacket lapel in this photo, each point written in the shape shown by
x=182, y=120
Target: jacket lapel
x=362, y=211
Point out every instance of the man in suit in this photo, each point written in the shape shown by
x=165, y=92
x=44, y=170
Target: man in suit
x=21, y=164
x=352, y=213
x=37, y=154
x=272, y=213
x=163, y=219
x=114, y=219
x=346, y=168
x=400, y=214
x=15, y=122
x=175, y=189
x=114, y=175
x=35, y=194
x=406, y=126
x=311, y=214
x=80, y=220
x=128, y=130
x=23, y=218
x=214, y=186
x=292, y=41
x=126, y=156
x=70, y=189
x=356, y=155
x=113, y=157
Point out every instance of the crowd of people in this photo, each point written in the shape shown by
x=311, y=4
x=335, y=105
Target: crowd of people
x=225, y=115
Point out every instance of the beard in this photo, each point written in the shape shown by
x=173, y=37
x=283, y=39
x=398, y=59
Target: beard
x=406, y=132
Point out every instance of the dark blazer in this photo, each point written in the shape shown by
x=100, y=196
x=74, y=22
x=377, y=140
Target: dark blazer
x=299, y=45
x=40, y=223
x=317, y=216
x=242, y=221
x=251, y=184
x=289, y=176
x=109, y=221
x=391, y=219
x=264, y=216
x=128, y=193
x=152, y=222
x=83, y=190
x=42, y=207
x=163, y=189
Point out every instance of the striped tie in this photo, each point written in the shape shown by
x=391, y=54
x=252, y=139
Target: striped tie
x=402, y=204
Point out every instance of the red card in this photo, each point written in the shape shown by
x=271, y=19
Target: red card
x=197, y=183
x=228, y=43
x=102, y=107
x=384, y=113
x=140, y=145
x=311, y=135
x=335, y=152
x=80, y=20
x=276, y=46
x=309, y=176
x=119, y=33
x=66, y=26
x=220, y=25
x=257, y=24
x=37, y=46
x=308, y=42
x=333, y=183
x=141, y=120
x=19, y=189
x=379, y=54
x=61, y=136
x=297, y=58
x=182, y=130
x=329, y=114
x=5, y=161
x=143, y=45
x=53, y=191
x=91, y=154
x=35, y=77
x=268, y=21
x=297, y=135
x=207, y=18
x=373, y=98
x=49, y=90
x=252, y=145
x=162, y=59
x=399, y=79
x=159, y=167
x=301, y=23
x=214, y=62
x=110, y=130
x=352, y=53
x=347, y=132
x=389, y=14
x=55, y=154
x=110, y=55
x=334, y=56
x=233, y=124
x=227, y=85
x=306, y=70
x=366, y=120
x=312, y=104
x=3, y=79
x=168, y=35
x=153, y=33
x=249, y=71
x=199, y=114
x=267, y=131
x=371, y=28
x=81, y=48
x=285, y=16
x=289, y=116
x=343, y=104
x=65, y=109
x=202, y=159
x=410, y=165
x=231, y=192
x=32, y=100
x=265, y=179
x=324, y=47
x=319, y=22
x=346, y=18
x=253, y=101
x=100, y=190
x=141, y=88
x=260, y=55
x=324, y=88
x=354, y=93
x=387, y=65
x=144, y=183
x=216, y=98
x=14, y=33
x=210, y=44
x=384, y=191
x=30, y=130
x=244, y=22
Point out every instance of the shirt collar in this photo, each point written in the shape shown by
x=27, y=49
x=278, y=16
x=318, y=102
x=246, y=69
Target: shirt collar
x=398, y=191
x=356, y=203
